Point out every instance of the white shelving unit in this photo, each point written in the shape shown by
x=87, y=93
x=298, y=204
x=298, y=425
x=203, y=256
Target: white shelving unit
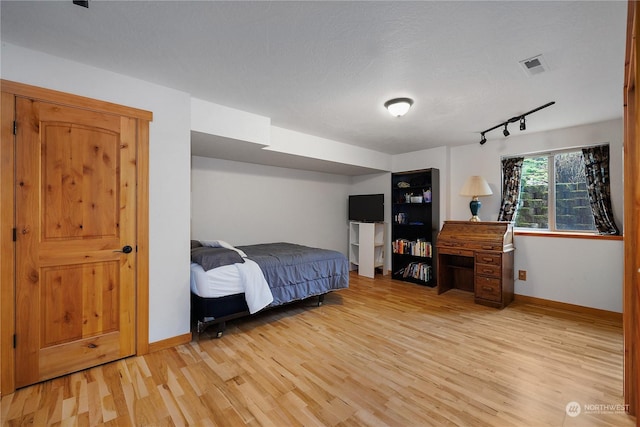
x=366, y=247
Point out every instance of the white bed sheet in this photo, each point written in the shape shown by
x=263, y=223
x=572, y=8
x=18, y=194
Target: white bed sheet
x=232, y=279
x=219, y=282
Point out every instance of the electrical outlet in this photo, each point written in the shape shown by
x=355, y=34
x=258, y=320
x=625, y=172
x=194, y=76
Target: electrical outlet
x=522, y=275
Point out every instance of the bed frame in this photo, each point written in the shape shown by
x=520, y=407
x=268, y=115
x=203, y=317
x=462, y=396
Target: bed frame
x=206, y=312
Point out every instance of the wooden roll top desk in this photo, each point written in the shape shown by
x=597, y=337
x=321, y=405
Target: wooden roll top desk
x=477, y=257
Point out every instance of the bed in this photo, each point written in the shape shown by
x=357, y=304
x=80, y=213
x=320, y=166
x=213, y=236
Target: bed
x=229, y=282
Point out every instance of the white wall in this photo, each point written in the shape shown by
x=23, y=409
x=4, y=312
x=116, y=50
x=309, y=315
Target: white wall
x=243, y=203
x=575, y=271
x=485, y=160
x=212, y=119
x=169, y=163
x=215, y=119
x=300, y=144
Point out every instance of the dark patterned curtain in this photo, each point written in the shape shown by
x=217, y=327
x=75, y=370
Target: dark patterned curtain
x=511, y=176
x=596, y=169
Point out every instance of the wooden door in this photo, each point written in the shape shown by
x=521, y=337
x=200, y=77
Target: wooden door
x=75, y=212
x=631, y=296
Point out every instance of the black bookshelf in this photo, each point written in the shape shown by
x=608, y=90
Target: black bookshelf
x=415, y=208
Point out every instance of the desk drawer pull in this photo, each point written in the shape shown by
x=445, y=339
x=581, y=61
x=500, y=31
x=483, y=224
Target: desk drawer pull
x=487, y=259
x=487, y=288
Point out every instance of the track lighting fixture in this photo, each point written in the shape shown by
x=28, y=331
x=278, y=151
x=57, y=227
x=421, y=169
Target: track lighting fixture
x=521, y=118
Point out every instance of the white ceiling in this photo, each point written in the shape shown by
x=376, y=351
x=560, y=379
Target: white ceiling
x=326, y=68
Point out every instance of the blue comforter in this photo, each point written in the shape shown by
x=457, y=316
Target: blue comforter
x=296, y=272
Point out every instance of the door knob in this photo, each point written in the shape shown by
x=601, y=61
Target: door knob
x=126, y=249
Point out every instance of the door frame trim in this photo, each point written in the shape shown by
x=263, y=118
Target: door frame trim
x=9, y=91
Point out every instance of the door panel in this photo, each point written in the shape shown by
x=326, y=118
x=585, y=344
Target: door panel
x=75, y=210
x=70, y=313
x=80, y=173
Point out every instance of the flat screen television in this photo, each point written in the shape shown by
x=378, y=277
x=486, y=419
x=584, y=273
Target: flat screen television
x=366, y=207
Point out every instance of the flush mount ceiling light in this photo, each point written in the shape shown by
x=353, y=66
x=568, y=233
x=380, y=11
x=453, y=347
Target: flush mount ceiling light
x=398, y=106
x=520, y=118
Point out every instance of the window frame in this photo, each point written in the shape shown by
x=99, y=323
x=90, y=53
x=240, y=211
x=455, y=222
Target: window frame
x=551, y=198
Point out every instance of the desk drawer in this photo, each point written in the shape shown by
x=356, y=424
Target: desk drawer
x=489, y=270
x=454, y=251
x=471, y=245
x=488, y=258
x=488, y=288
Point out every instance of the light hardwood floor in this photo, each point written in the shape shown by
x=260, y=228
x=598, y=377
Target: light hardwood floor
x=380, y=353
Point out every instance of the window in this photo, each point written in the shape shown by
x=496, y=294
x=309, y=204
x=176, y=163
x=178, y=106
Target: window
x=553, y=193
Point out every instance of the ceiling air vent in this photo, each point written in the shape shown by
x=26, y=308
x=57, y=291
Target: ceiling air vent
x=534, y=65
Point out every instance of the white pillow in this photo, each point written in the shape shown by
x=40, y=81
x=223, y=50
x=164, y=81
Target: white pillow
x=222, y=244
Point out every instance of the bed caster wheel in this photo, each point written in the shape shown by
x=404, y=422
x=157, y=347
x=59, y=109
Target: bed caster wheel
x=320, y=300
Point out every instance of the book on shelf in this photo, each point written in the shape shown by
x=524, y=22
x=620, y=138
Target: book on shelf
x=416, y=270
x=419, y=247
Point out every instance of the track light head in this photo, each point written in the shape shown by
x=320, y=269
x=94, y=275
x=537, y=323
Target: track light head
x=482, y=139
x=523, y=125
x=505, y=132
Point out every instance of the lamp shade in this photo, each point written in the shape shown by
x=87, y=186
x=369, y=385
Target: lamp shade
x=399, y=106
x=476, y=186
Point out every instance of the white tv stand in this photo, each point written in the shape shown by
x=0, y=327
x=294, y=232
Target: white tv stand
x=366, y=247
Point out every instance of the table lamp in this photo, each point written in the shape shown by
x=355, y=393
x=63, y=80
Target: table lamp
x=475, y=186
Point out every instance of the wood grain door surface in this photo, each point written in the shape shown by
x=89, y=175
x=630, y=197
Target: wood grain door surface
x=75, y=212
